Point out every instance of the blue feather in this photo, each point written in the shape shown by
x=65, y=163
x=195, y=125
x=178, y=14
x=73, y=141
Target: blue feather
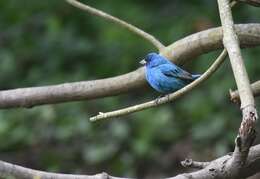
x=164, y=76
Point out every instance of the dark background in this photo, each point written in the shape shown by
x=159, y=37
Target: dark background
x=50, y=42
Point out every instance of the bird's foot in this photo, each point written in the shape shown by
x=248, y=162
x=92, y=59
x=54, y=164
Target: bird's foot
x=168, y=97
x=157, y=100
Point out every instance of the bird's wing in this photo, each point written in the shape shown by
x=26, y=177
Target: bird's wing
x=175, y=71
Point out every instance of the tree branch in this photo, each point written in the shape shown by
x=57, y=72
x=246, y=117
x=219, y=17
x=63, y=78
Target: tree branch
x=167, y=98
x=246, y=134
x=231, y=43
x=255, y=87
x=189, y=163
x=181, y=52
x=119, y=22
x=216, y=169
x=251, y=2
x=8, y=169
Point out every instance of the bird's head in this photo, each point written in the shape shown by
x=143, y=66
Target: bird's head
x=153, y=60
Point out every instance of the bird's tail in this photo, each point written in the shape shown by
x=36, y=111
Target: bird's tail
x=196, y=76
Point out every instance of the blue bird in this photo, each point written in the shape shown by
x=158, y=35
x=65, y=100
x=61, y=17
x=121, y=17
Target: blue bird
x=163, y=75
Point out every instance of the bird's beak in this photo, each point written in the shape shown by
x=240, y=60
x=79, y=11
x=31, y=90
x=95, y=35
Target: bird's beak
x=143, y=62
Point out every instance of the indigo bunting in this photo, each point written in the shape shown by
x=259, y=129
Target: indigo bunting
x=163, y=75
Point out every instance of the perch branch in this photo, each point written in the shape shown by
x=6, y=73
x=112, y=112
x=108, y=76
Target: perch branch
x=180, y=52
x=255, y=87
x=246, y=133
x=117, y=21
x=216, y=169
x=167, y=98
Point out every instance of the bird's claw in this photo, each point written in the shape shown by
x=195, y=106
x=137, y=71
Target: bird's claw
x=157, y=100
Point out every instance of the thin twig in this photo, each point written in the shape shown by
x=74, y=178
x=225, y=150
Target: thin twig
x=246, y=134
x=233, y=3
x=255, y=87
x=189, y=163
x=167, y=98
x=231, y=43
x=120, y=22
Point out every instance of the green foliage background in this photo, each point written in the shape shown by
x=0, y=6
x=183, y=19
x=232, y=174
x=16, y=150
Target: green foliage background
x=50, y=42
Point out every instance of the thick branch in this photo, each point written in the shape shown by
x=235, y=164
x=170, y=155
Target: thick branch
x=231, y=43
x=8, y=169
x=246, y=134
x=167, y=98
x=120, y=22
x=216, y=169
x=180, y=52
x=255, y=87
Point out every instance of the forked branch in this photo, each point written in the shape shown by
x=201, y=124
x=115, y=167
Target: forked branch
x=180, y=52
x=246, y=133
x=215, y=169
x=119, y=22
x=245, y=161
x=255, y=87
